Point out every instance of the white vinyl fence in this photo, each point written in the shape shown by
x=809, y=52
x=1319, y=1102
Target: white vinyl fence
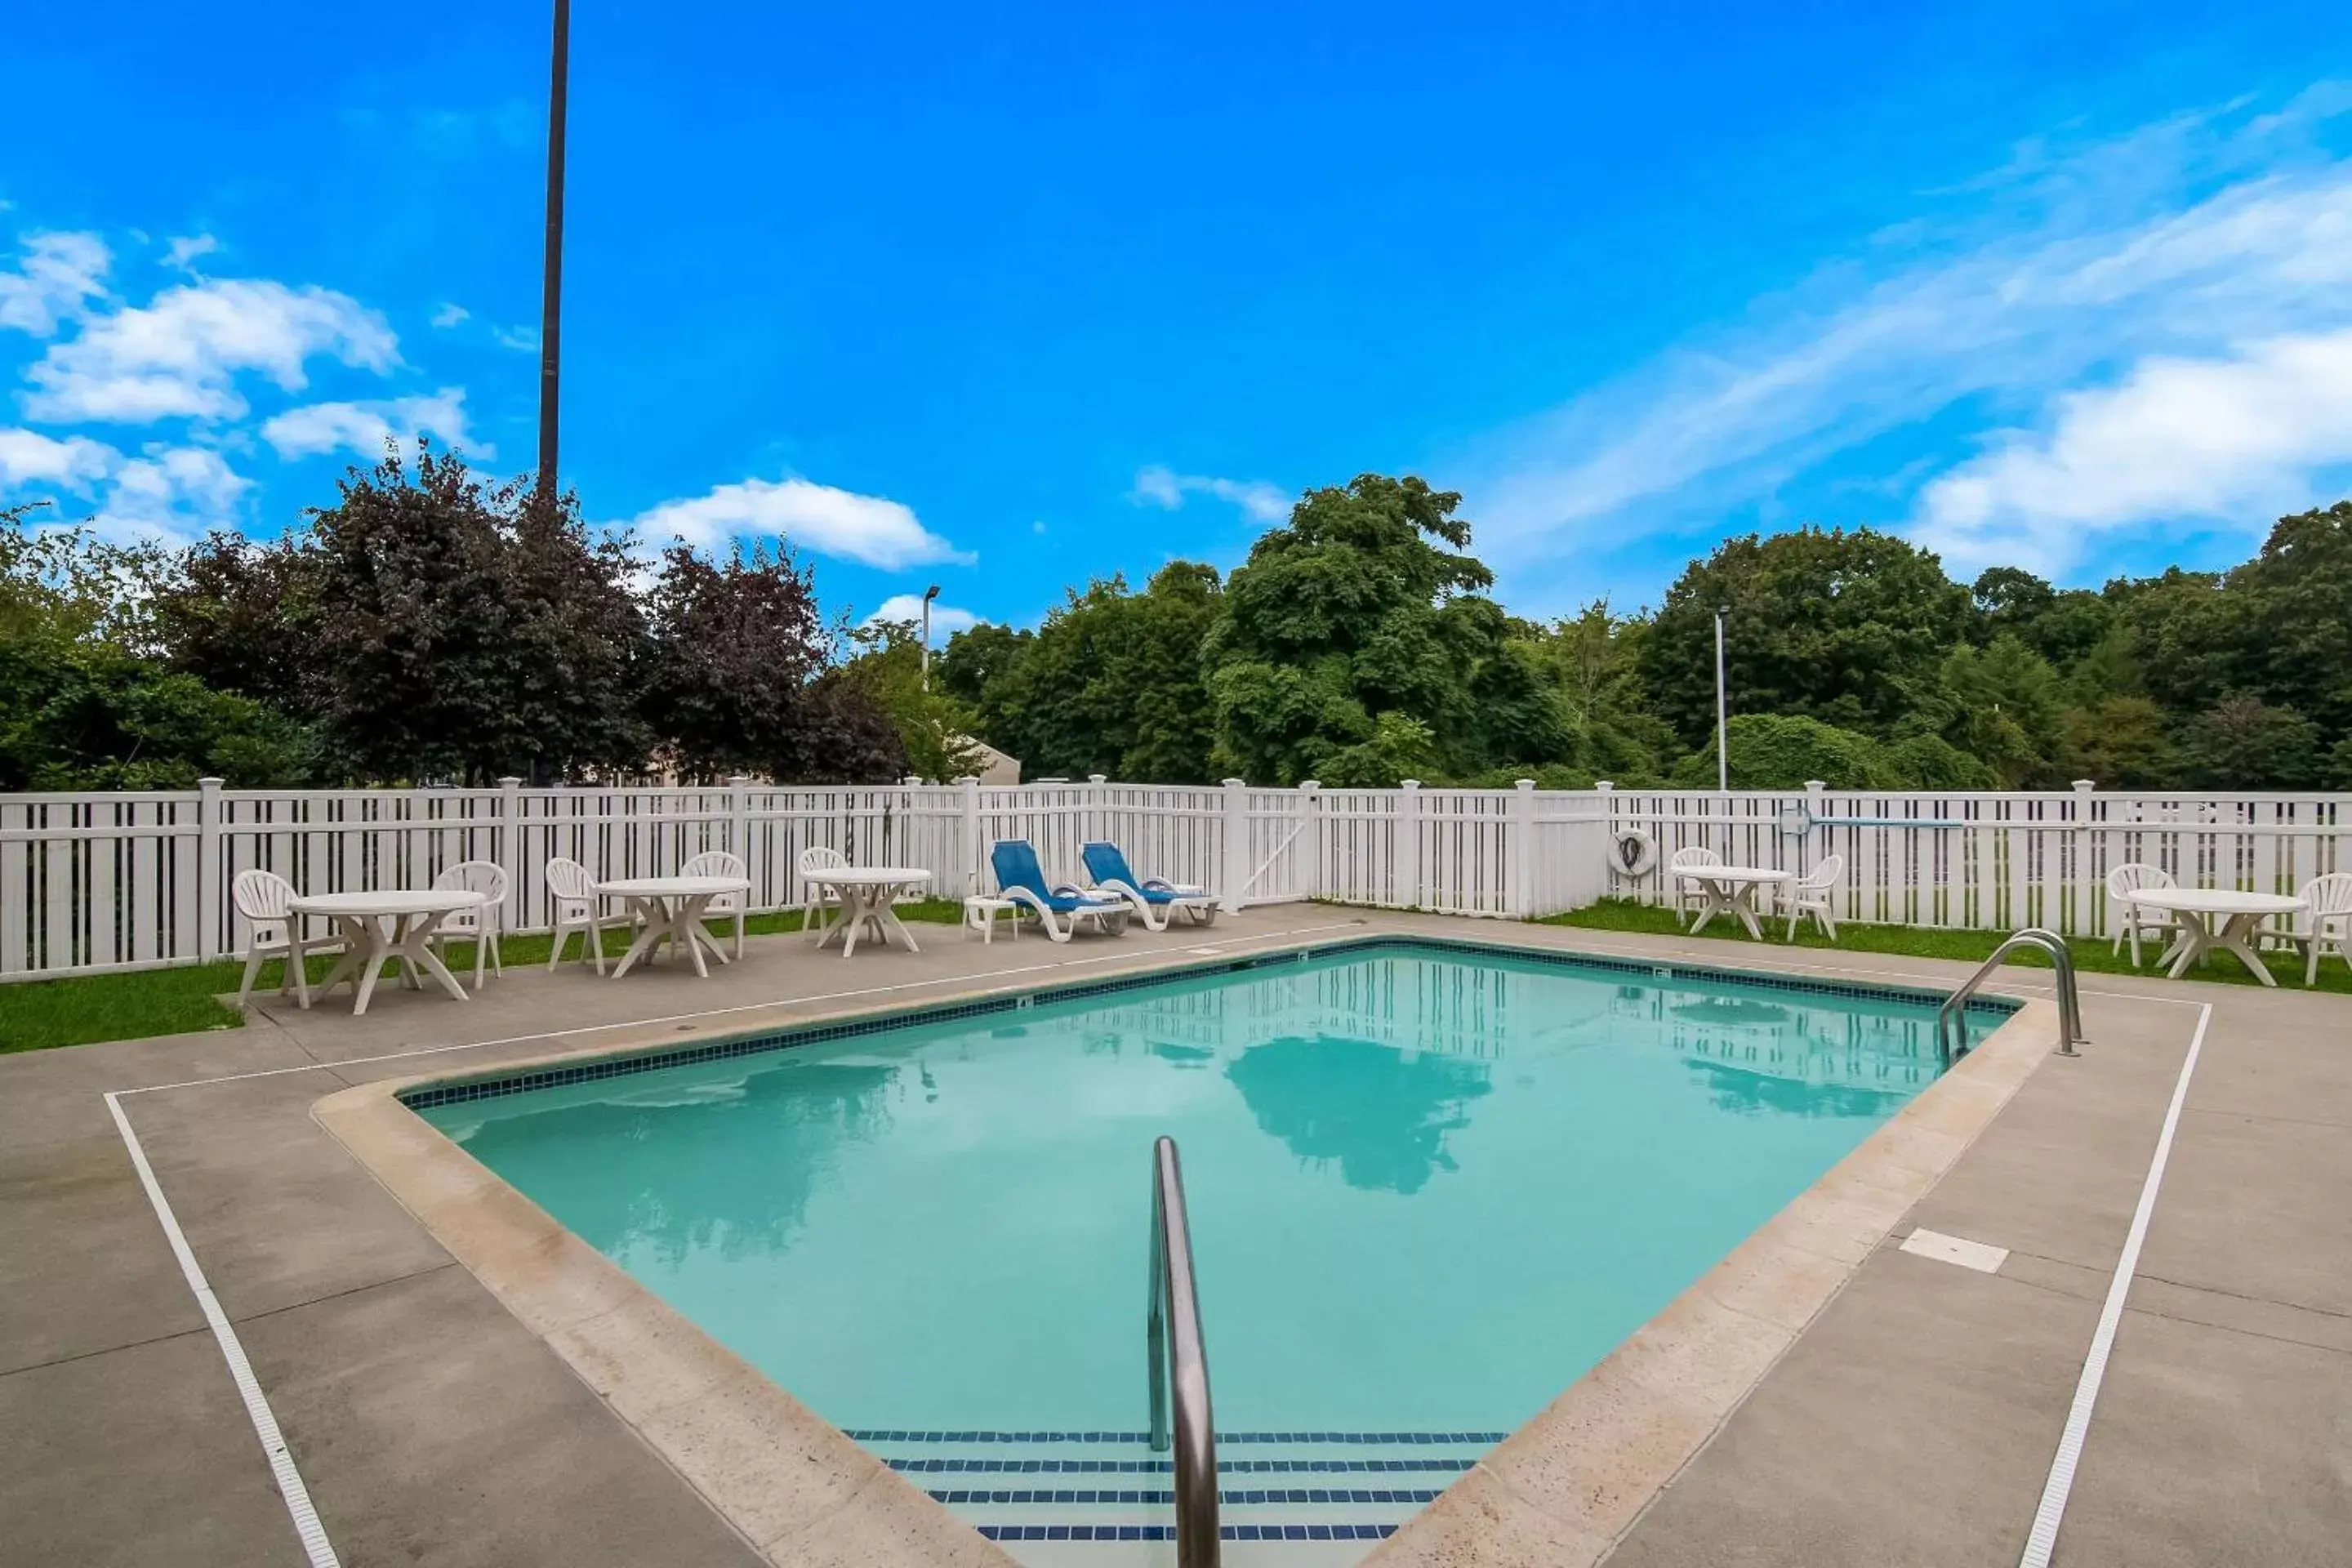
x=111, y=882
x=1995, y=861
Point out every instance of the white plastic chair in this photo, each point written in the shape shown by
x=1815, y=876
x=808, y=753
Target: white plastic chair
x=485, y=922
x=1687, y=860
x=578, y=907
x=1810, y=895
x=814, y=862
x=2326, y=919
x=2132, y=919
x=719, y=863
x=266, y=900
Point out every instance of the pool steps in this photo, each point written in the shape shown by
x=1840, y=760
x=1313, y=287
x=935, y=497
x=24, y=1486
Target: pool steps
x=1286, y=1499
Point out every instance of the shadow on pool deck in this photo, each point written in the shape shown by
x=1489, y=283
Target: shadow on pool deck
x=1913, y=1422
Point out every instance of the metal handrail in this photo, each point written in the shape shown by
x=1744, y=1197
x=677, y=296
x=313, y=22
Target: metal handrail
x=1180, y=1365
x=1950, y=1045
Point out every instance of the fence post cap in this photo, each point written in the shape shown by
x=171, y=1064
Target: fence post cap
x=510, y=781
x=2086, y=785
x=1523, y=784
x=1098, y=778
x=209, y=784
x=1408, y=784
x=1237, y=784
x=1816, y=786
x=967, y=778
x=1310, y=784
x=738, y=779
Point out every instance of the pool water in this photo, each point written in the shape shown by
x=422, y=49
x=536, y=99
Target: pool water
x=1429, y=1187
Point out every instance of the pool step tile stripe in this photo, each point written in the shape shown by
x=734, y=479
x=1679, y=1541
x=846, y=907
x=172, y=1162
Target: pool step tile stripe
x=1075, y=1499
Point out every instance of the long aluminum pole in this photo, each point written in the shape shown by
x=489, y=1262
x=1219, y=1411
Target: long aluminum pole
x=550, y=298
x=1722, y=734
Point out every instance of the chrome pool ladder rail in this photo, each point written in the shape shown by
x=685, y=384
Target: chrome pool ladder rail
x=1180, y=1365
x=1952, y=1018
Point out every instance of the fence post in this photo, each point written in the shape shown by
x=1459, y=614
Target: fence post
x=973, y=857
x=1406, y=866
x=738, y=816
x=211, y=890
x=2088, y=880
x=1310, y=808
x=1236, y=847
x=510, y=850
x=1519, y=895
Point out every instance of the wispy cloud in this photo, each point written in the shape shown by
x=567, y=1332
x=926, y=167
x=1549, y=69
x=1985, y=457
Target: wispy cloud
x=52, y=282
x=2083, y=290
x=522, y=340
x=946, y=619
x=180, y=354
x=450, y=316
x=182, y=252
x=830, y=521
x=1166, y=489
x=366, y=427
x=28, y=457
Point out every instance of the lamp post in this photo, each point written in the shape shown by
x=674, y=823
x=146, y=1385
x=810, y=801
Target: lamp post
x=550, y=298
x=929, y=595
x=1722, y=735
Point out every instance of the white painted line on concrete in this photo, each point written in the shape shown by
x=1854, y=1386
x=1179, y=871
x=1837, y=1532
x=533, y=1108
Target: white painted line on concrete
x=1960, y=1249
x=290, y=1489
x=2043, y=1538
x=715, y=1012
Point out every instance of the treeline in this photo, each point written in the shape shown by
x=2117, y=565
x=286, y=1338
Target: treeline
x=1357, y=646
x=430, y=628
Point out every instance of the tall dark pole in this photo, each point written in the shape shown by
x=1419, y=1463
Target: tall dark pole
x=551, y=301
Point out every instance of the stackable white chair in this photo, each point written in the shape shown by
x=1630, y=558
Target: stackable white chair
x=571, y=893
x=484, y=922
x=1810, y=894
x=2325, y=921
x=815, y=861
x=1684, y=860
x=265, y=901
x=719, y=863
x=2132, y=919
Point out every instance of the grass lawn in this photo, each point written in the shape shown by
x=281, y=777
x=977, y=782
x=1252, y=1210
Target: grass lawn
x=1924, y=941
x=38, y=1014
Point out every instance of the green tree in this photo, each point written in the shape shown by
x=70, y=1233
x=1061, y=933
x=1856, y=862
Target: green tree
x=2121, y=742
x=734, y=646
x=1357, y=609
x=2244, y=742
x=934, y=728
x=1778, y=751
x=1835, y=626
x=242, y=617
x=2003, y=705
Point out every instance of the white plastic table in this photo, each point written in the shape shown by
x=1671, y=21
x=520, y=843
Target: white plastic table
x=2198, y=908
x=394, y=923
x=671, y=907
x=1731, y=889
x=866, y=892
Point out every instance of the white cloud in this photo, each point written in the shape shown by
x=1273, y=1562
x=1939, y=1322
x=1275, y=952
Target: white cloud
x=179, y=355
x=365, y=427
x=1038, y=526
x=74, y=462
x=830, y=521
x=172, y=494
x=56, y=275
x=184, y=249
x=946, y=620
x=2176, y=242
x=1166, y=489
x=2235, y=439
x=450, y=315
x=523, y=339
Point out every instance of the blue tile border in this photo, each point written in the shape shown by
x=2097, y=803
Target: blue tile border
x=1163, y=1497
x=1382, y=1439
x=1168, y=1532
x=498, y=1084
x=1225, y=1467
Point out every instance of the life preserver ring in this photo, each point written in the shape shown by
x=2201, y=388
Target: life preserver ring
x=1633, y=852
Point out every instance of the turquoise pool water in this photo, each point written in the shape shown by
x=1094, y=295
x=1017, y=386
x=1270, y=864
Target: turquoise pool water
x=1429, y=1187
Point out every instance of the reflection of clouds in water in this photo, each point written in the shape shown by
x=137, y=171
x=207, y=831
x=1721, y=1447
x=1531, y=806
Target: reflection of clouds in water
x=1381, y=1114
x=1748, y=1092
x=763, y=1146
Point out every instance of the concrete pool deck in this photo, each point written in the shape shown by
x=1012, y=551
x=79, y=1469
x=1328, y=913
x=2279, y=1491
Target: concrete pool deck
x=1913, y=1421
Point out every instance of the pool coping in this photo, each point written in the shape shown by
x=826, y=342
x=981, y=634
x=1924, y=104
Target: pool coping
x=1563, y=1488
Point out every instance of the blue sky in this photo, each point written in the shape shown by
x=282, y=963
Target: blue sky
x=1006, y=298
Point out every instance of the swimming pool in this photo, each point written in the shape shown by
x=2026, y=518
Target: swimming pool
x=1430, y=1184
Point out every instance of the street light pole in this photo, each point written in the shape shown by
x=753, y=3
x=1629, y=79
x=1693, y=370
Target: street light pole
x=929, y=595
x=550, y=298
x=1722, y=734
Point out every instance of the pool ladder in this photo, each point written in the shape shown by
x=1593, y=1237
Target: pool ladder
x=1180, y=1365
x=1952, y=1018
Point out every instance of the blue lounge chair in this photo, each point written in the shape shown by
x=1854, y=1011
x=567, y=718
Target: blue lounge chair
x=1155, y=898
x=1059, y=910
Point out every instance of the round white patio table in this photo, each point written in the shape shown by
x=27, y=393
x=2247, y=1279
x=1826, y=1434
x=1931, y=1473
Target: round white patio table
x=866, y=892
x=2199, y=907
x=1731, y=889
x=394, y=922
x=671, y=909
